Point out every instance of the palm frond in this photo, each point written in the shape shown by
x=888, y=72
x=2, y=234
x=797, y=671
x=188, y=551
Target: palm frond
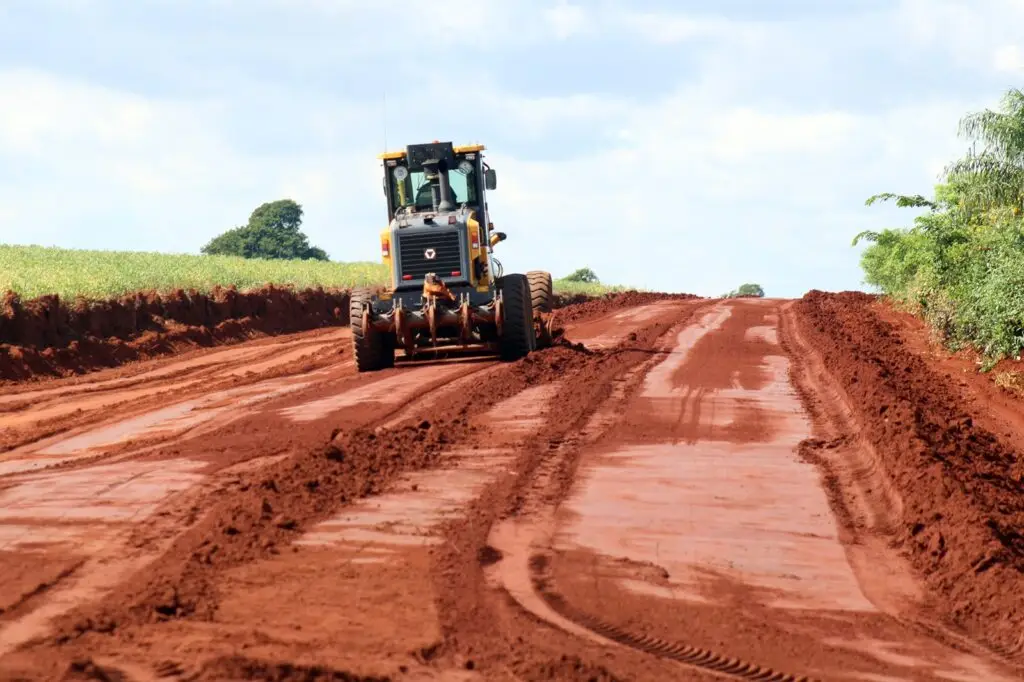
x=987, y=180
x=1000, y=132
x=902, y=200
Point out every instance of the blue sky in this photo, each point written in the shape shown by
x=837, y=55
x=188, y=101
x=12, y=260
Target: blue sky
x=680, y=146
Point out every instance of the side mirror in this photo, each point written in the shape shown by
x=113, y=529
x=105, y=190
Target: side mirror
x=497, y=237
x=490, y=179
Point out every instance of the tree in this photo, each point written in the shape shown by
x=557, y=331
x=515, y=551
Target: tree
x=585, y=275
x=960, y=265
x=994, y=176
x=230, y=243
x=272, y=232
x=748, y=290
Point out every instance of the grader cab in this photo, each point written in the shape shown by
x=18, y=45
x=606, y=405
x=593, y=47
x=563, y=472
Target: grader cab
x=447, y=290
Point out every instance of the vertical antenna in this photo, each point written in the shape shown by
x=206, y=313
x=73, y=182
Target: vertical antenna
x=385, y=120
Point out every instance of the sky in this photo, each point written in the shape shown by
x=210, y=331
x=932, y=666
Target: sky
x=673, y=145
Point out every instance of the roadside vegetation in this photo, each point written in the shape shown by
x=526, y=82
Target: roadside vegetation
x=960, y=266
x=584, y=282
x=271, y=233
x=269, y=249
x=32, y=271
x=748, y=290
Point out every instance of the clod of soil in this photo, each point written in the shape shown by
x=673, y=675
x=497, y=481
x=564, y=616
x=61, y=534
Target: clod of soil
x=240, y=668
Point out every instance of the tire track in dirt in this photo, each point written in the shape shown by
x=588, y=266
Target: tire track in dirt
x=110, y=566
x=188, y=365
x=480, y=567
x=253, y=532
x=959, y=484
x=54, y=415
x=525, y=540
x=900, y=648
x=704, y=659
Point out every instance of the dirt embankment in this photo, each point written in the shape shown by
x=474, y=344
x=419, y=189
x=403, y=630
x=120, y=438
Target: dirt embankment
x=47, y=336
x=962, y=486
x=50, y=337
x=574, y=308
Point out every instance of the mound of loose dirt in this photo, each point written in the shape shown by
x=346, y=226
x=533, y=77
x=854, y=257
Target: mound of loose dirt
x=581, y=307
x=48, y=337
x=962, y=487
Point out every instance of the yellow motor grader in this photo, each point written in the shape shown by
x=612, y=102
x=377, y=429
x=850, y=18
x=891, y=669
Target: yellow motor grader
x=447, y=290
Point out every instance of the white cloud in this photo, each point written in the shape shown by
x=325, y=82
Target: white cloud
x=1008, y=58
x=966, y=30
x=708, y=183
x=704, y=194
x=667, y=28
x=567, y=19
x=122, y=171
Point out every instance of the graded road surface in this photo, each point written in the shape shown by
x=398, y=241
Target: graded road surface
x=648, y=500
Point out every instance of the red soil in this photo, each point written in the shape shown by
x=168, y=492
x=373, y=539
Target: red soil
x=242, y=584
x=580, y=307
x=48, y=337
x=962, y=485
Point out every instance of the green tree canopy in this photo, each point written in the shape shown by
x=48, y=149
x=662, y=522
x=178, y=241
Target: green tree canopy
x=585, y=275
x=749, y=290
x=993, y=176
x=960, y=265
x=273, y=232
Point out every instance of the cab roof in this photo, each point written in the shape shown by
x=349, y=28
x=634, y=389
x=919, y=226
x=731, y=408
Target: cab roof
x=458, y=150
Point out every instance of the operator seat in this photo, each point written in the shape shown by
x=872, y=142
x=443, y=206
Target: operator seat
x=425, y=200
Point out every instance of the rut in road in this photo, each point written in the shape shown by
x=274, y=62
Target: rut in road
x=755, y=559
x=524, y=540
x=647, y=497
x=247, y=513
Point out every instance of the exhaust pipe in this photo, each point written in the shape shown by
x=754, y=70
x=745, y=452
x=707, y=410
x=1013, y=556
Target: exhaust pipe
x=437, y=175
x=442, y=180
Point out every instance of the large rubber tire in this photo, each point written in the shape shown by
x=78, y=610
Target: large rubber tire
x=541, y=291
x=371, y=351
x=517, y=336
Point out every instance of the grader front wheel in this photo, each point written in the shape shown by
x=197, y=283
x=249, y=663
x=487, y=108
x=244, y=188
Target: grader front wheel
x=517, y=333
x=542, y=300
x=370, y=348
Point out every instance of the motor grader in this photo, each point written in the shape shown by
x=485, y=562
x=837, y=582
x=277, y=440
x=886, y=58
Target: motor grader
x=447, y=291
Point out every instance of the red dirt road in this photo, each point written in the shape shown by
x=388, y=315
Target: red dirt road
x=701, y=490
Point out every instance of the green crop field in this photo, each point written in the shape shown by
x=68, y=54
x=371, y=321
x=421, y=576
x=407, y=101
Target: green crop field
x=33, y=271
x=565, y=286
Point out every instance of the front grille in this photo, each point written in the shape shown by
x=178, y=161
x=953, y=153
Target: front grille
x=413, y=247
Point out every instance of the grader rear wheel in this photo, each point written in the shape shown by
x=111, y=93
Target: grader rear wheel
x=541, y=291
